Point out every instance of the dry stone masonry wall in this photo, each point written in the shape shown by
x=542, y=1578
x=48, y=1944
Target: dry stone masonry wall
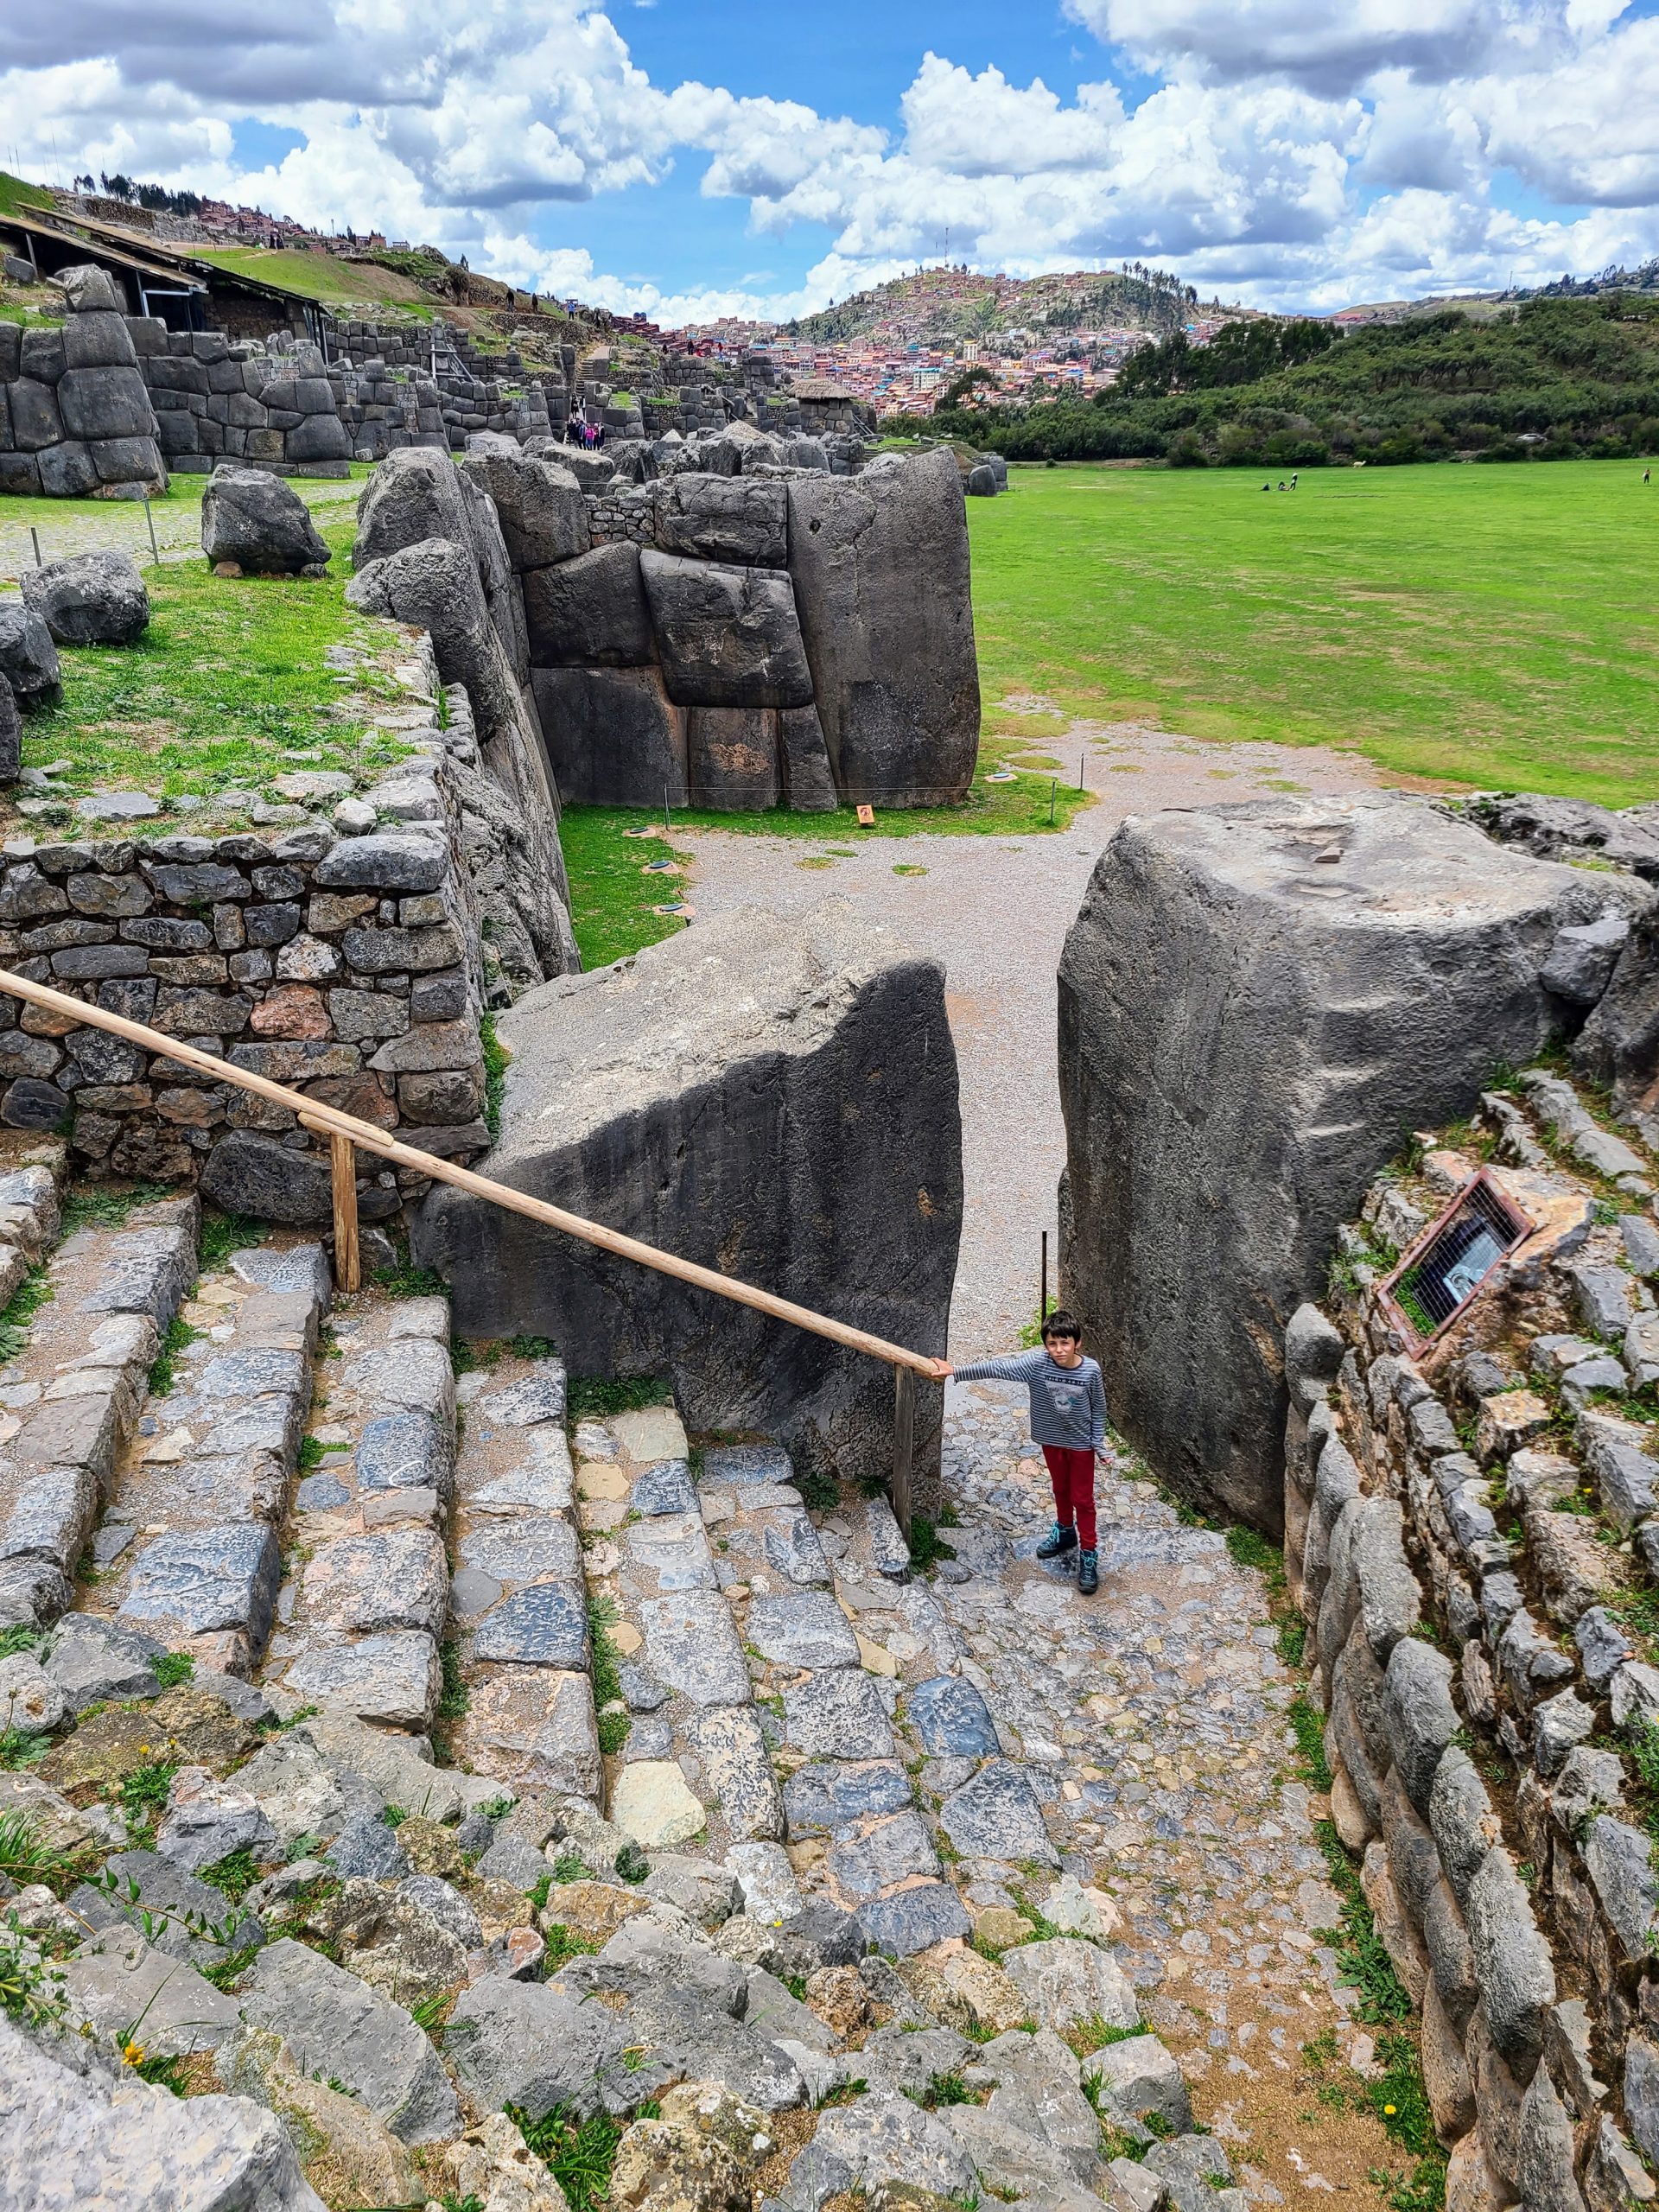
x=1471, y=1530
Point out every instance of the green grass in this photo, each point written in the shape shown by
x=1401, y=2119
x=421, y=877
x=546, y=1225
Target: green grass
x=163, y=1371
x=578, y=2153
x=1488, y=626
x=224, y=690
x=16, y=196
x=591, y=1397
x=315, y=276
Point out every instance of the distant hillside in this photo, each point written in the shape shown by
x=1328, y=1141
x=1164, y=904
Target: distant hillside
x=1552, y=377
x=937, y=307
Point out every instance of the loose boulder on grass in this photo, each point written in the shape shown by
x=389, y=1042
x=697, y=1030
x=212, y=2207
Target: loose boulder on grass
x=91, y=598
x=29, y=660
x=253, y=525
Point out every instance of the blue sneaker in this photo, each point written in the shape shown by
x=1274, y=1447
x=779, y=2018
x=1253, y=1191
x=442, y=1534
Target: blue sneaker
x=1088, y=1574
x=1060, y=1541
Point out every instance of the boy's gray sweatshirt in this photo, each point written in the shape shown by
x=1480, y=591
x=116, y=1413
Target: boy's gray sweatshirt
x=1068, y=1404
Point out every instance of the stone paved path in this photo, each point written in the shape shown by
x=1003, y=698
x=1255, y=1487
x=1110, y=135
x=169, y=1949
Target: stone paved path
x=995, y=910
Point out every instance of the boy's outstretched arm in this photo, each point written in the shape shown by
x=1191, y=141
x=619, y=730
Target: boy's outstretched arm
x=1015, y=1367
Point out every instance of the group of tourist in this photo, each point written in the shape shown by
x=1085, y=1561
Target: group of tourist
x=578, y=432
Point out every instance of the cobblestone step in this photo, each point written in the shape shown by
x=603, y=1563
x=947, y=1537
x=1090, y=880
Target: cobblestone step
x=830, y=1692
x=188, y=1548
x=695, y=1761
x=518, y=1599
x=72, y=1390
x=362, y=1610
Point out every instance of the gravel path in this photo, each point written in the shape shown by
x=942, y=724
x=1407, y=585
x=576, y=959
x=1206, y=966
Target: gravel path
x=996, y=911
x=89, y=525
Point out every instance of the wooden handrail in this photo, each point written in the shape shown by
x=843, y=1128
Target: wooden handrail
x=330, y=1122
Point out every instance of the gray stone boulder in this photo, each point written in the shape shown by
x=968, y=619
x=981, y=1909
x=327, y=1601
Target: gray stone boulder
x=1255, y=1004
x=981, y=483
x=11, y=733
x=91, y=598
x=590, y=612
x=416, y=493
x=726, y=518
x=67, y=2111
x=809, y=786
x=543, y=514
x=256, y=523
x=727, y=636
x=880, y=568
x=614, y=737
x=336, y=2024
x=434, y=585
x=732, y=758
x=88, y=289
x=29, y=660
x=774, y=1098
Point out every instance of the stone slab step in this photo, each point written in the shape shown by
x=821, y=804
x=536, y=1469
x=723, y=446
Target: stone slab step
x=188, y=1549
x=362, y=1614
x=72, y=1391
x=695, y=1757
x=518, y=1599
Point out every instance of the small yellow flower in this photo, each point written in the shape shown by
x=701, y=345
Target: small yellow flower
x=1387, y=2111
x=133, y=2053
x=143, y=1750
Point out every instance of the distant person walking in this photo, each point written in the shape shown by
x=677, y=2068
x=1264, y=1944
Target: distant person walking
x=1068, y=1421
x=1647, y=476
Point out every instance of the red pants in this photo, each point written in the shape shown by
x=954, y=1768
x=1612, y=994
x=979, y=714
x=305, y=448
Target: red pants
x=1073, y=1473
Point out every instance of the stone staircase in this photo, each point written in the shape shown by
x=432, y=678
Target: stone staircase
x=74, y=1386
x=347, y=1595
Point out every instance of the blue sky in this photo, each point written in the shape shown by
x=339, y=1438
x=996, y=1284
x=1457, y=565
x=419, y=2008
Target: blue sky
x=693, y=157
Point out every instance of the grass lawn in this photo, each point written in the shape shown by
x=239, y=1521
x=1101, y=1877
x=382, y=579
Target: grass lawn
x=183, y=492
x=1490, y=626
x=227, y=688
x=320, y=275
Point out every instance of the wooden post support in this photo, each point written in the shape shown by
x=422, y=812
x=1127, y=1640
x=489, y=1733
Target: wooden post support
x=342, y=1159
x=903, y=1444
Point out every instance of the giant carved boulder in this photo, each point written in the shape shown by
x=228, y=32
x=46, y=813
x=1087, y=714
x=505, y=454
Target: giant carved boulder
x=881, y=569
x=91, y=598
x=590, y=612
x=728, y=636
x=252, y=521
x=1258, y=1005
x=414, y=494
x=774, y=1098
x=614, y=737
x=29, y=660
x=544, y=515
x=742, y=518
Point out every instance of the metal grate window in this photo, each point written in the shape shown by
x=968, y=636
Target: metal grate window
x=1453, y=1256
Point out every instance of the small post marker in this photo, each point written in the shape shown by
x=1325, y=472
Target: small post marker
x=668, y=822
x=348, y=1270
x=1042, y=1285
x=154, y=551
x=904, y=1444
x=35, y=535
x=1083, y=760
x=1053, y=793
x=866, y=816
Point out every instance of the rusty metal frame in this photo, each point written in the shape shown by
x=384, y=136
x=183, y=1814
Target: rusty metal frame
x=1525, y=1227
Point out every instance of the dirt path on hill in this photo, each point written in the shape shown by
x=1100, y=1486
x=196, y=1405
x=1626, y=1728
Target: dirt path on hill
x=996, y=911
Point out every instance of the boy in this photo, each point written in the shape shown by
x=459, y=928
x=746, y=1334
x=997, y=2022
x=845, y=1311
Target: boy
x=1068, y=1419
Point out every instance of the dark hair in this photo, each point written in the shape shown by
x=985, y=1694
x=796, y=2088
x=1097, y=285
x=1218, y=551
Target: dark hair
x=1059, y=1323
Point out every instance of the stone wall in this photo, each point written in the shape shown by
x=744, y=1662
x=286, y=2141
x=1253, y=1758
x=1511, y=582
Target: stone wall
x=1470, y=1534
x=75, y=416
x=349, y=966
x=741, y=641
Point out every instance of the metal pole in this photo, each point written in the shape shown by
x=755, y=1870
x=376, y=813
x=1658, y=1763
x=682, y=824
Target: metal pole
x=1081, y=762
x=154, y=551
x=1053, y=793
x=1042, y=1286
x=903, y=1444
x=35, y=535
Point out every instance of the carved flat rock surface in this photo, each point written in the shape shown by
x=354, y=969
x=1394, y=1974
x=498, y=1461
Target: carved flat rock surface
x=808, y=1631
x=335, y=2023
